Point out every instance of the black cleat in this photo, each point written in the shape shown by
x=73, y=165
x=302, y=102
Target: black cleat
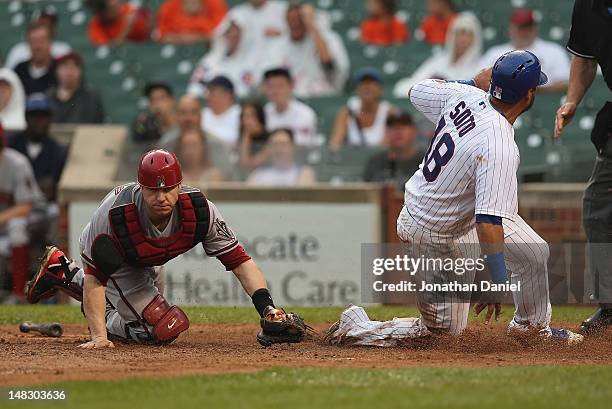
x=600, y=319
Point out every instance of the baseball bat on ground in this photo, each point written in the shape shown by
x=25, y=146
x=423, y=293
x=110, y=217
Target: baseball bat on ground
x=52, y=329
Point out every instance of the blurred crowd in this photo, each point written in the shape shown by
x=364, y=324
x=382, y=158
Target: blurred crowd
x=241, y=117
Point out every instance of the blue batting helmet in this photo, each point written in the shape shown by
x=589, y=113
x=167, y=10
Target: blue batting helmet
x=514, y=74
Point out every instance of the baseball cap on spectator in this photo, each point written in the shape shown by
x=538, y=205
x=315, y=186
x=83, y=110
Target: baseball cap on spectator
x=278, y=72
x=38, y=102
x=523, y=17
x=70, y=56
x=153, y=85
x=221, y=82
x=399, y=118
x=368, y=73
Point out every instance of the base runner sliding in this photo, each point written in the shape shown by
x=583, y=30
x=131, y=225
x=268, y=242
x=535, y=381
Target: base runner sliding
x=462, y=202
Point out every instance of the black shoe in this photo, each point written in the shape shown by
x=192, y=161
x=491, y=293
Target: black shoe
x=600, y=319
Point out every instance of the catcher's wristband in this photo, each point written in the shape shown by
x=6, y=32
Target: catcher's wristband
x=262, y=300
x=497, y=267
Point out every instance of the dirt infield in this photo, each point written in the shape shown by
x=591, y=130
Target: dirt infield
x=30, y=359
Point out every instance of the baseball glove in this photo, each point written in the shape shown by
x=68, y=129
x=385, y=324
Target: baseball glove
x=278, y=327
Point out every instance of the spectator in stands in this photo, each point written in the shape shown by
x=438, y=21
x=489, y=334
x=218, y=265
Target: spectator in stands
x=189, y=21
x=523, y=33
x=18, y=194
x=195, y=159
x=402, y=157
x=313, y=53
x=283, y=169
x=284, y=111
x=221, y=116
x=12, y=101
x=21, y=52
x=38, y=73
x=45, y=154
x=160, y=116
x=253, y=135
x=229, y=56
x=115, y=22
x=189, y=117
x=264, y=21
x=439, y=18
x=74, y=101
x=458, y=60
x=362, y=121
x=382, y=27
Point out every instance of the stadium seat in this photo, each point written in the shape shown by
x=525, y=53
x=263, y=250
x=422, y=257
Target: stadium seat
x=346, y=165
x=139, y=63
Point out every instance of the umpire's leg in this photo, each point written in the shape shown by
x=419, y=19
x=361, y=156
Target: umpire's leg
x=597, y=222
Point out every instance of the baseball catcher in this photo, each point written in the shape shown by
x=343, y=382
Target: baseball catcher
x=135, y=231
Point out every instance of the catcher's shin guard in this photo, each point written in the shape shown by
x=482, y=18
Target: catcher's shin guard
x=55, y=273
x=167, y=321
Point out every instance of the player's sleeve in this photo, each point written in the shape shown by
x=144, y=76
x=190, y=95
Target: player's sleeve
x=25, y=188
x=98, y=226
x=578, y=43
x=496, y=185
x=221, y=242
x=429, y=97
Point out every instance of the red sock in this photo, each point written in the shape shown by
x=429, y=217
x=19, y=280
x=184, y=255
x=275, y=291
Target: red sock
x=20, y=257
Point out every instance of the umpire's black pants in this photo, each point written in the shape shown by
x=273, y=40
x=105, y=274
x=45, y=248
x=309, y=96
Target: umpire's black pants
x=597, y=222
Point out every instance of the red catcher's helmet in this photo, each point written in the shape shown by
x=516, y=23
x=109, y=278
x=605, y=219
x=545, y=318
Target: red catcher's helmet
x=159, y=169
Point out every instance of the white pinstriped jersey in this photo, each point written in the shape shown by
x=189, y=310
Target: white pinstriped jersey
x=470, y=167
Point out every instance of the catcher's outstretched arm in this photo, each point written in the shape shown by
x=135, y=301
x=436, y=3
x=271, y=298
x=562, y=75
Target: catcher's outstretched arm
x=276, y=325
x=254, y=285
x=250, y=277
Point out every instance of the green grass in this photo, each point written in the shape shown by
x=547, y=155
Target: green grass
x=69, y=314
x=501, y=387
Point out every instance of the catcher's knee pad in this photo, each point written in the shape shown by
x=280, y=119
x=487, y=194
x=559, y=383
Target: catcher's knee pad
x=167, y=321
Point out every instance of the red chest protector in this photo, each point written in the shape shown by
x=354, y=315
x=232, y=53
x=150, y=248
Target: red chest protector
x=139, y=249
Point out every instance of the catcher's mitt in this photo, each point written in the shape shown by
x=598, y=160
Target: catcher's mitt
x=278, y=327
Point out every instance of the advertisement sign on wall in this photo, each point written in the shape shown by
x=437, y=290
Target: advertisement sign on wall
x=310, y=253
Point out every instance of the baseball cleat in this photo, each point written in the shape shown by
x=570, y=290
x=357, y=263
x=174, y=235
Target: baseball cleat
x=600, y=319
x=562, y=335
x=50, y=275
